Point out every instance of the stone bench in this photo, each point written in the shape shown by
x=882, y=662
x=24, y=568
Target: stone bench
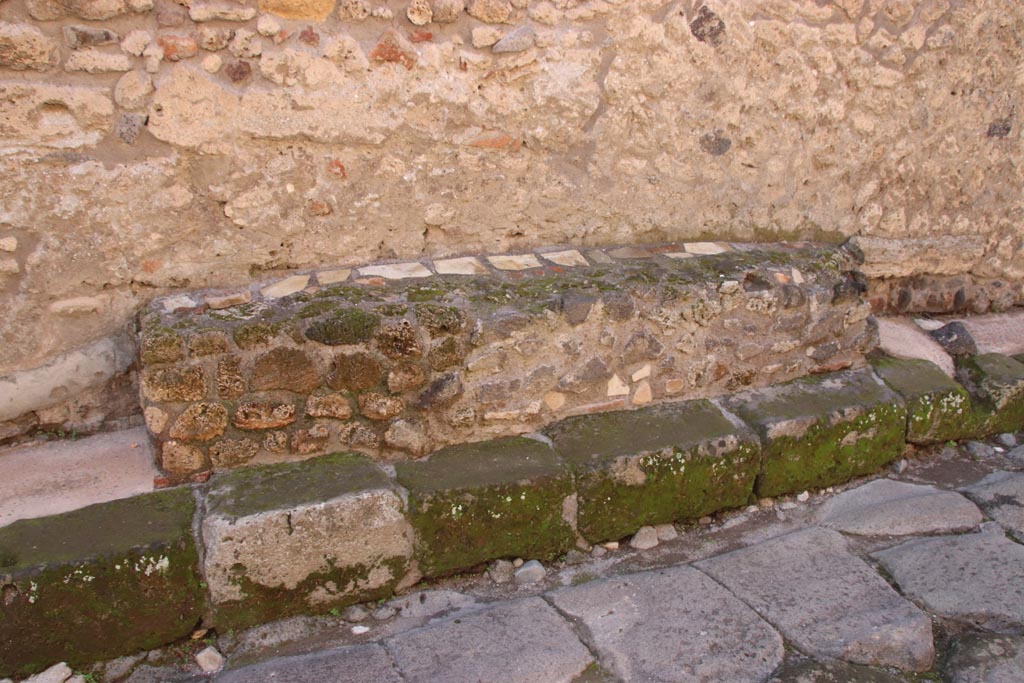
x=311, y=536
x=398, y=360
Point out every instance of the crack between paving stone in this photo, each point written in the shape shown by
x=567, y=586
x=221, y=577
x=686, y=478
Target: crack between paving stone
x=585, y=637
x=391, y=658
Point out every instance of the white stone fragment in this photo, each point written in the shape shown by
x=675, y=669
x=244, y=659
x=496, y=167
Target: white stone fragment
x=135, y=42
x=360, y=630
x=466, y=265
x=666, y=532
x=58, y=673
x=330, y=277
x=210, y=660
x=8, y=244
x=396, y=271
x=705, y=248
x=803, y=497
x=616, y=387
x=642, y=373
x=569, y=258
x=175, y=303
x=531, y=572
x=212, y=63
x=285, y=287
x=645, y=538
x=514, y=262
x=267, y=26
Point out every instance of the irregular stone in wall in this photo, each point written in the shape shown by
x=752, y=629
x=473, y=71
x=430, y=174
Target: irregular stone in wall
x=85, y=36
x=397, y=340
x=133, y=89
x=229, y=453
x=42, y=115
x=264, y=415
x=380, y=406
x=229, y=380
x=25, y=47
x=312, y=10
x=523, y=38
x=708, y=27
x=354, y=371
x=308, y=441
x=177, y=47
x=407, y=436
x=420, y=12
x=94, y=62
x=200, y=422
x=332, y=405
x=214, y=38
x=220, y=12
x=181, y=459
x=392, y=46
x=48, y=10
x=288, y=369
x=447, y=11
x=489, y=11
x=174, y=384
x=443, y=391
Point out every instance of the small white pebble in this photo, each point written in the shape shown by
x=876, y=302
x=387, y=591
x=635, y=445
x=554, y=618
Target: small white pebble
x=360, y=629
x=599, y=551
x=751, y=508
x=666, y=532
x=645, y=538
x=210, y=660
x=517, y=563
x=766, y=502
x=612, y=545
x=830, y=489
x=804, y=497
x=705, y=520
x=787, y=505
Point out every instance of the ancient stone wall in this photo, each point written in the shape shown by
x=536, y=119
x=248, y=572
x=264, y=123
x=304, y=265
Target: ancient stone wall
x=149, y=146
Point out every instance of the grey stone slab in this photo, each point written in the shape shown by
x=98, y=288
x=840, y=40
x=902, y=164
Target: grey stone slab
x=997, y=332
x=827, y=602
x=977, y=578
x=984, y=658
x=834, y=672
x=359, y=664
x=670, y=625
x=1001, y=494
x=516, y=642
x=893, y=508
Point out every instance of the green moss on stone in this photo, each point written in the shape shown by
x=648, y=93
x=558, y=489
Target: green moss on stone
x=477, y=502
x=161, y=345
x=254, y=335
x=996, y=384
x=101, y=582
x=420, y=293
x=823, y=430
x=938, y=409
x=347, y=326
x=655, y=465
x=392, y=310
x=440, y=319
x=315, y=308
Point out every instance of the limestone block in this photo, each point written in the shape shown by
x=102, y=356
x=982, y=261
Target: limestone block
x=62, y=571
x=64, y=117
x=23, y=46
x=996, y=385
x=938, y=409
x=655, y=465
x=302, y=537
x=823, y=430
x=475, y=502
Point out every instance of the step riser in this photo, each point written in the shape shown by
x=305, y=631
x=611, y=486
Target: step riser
x=377, y=538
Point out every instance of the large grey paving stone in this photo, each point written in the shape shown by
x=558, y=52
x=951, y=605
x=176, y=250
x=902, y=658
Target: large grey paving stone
x=673, y=624
x=997, y=332
x=359, y=664
x=977, y=578
x=525, y=641
x=1001, y=494
x=985, y=658
x=834, y=671
x=826, y=601
x=893, y=508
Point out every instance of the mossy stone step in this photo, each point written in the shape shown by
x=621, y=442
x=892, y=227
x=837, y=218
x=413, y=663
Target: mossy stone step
x=996, y=383
x=98, y=582
x=302, y=537
x=823, y=430
x=938, y=409
x=655, y=465
x=476, y=502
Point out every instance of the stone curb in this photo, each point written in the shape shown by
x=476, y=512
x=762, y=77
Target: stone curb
x=841, y=425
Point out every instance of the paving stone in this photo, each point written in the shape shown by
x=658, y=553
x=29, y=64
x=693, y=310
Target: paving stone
x=531, y=572
x=396, y=271
x=901, y=338
x=655, y=465
x=985, y=658
x=477, y=502
x=514, y=262
x=60, y=573
x=705, y=248
x=938, y=409
x=1001, y=495
x=300, y=537
x=359, y=664
x=466, y=265
x=978, y=578
x=827, y=602
x=332, y=277
x=823, y=430
x=569, y=258
x=673, y=624
x=997, y=332
x=834, y=672
x=893, y=508
x=996, y=385
x=516, y=642
x=285, y=287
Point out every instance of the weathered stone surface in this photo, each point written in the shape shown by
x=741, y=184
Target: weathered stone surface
x=1001, y=495
x=823, y=430
x=23, y=46
x=263, y=521
x=186, y=383
x=834, y=672
x=481, y=501
x=311, y=10
x=60, y=573
x=985, y=658
x=670, y=625
x=47, y=10
x=264, y=415
x=517, y=642
x=996, y=385
x=955, y=339
x=289, y=369
x=87, y=113
x=997, y=332
x=380, y=406
x=655, y=465
x=86, y=36
x=826, y=601
x=977, y=578
x=232, y=453
x=331, y=405
x=356, y=664
x=938, y=409
x=200, y=422
x=891, y=508
x=902, y=338
x=95, y=61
